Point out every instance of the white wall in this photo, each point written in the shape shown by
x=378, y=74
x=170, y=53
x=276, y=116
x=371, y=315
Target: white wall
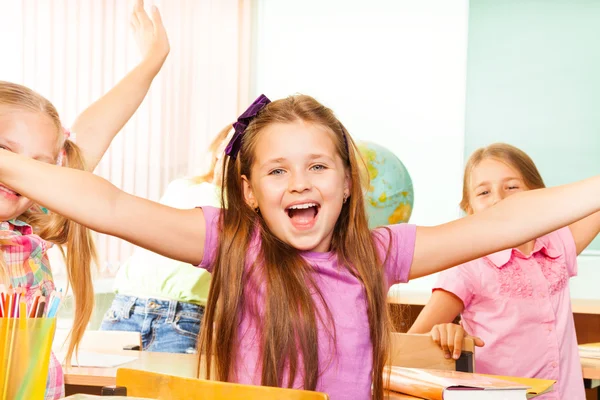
x=392, y=70
x=395, y=73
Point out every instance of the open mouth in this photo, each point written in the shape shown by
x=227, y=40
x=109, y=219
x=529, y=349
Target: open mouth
x=6, y=190
x=303, y=215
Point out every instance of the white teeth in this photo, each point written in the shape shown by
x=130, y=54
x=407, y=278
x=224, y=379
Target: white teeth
x=302, y=206
x=7, y=190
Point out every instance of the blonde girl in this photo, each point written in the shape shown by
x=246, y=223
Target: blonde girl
x=30, y=126
x=516, y=302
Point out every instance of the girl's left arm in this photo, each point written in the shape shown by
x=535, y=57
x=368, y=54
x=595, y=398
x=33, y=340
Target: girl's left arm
x=585, y=230
x=510, y=223
x=97, y=126
x=89, y=200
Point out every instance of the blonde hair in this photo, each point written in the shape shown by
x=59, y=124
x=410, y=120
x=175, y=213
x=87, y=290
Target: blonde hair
x=508, y=154
x=214, y=150
x=80, y=249
x=290, y=319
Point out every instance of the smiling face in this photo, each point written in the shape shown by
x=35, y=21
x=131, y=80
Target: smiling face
x=493, y=181
x=298, y=182
x=32, y=134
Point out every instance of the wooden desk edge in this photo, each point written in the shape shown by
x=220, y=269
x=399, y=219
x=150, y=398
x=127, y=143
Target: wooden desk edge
x=590, y=368
x=579, y=306
x=89, y=380
x=106, y=376
x=411, y=299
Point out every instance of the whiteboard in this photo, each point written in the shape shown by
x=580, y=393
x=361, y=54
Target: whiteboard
x=533, y=80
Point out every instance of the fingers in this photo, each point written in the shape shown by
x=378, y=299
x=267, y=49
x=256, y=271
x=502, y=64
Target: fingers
x=459, y=335
x=139, y=15
x=144, y=19
x=450, y=339
x=159, y=29
x=445, y=341
x=440, y=336
x=135, y=21
x=157, y=19
x=138, y=6
x=435, y=335
x=478, y=342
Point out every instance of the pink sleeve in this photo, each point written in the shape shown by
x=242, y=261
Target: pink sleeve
x=211, y=240
x=461, y=281
x=569, y=249
x=396, y=247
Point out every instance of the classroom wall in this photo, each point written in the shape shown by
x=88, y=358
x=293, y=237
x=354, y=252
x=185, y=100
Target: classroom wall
x=392, y=70
x=533, y=82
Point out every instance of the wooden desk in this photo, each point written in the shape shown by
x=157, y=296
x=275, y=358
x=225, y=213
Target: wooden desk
x=399, y=396
x=591, y=368
x=392, y=396
x=93, y=397
x=91, y=379
x=585, y=306
x=412, y=298
x=591, y=374
x=409, y=298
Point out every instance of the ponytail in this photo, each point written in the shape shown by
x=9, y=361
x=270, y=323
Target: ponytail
x=78, y=250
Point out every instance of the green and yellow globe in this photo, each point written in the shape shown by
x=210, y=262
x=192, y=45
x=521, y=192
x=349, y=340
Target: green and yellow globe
x=390, y=197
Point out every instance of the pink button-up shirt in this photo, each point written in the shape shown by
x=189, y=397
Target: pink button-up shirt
x=521, y=307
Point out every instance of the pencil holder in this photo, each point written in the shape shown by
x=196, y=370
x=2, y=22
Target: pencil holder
x=25, y=347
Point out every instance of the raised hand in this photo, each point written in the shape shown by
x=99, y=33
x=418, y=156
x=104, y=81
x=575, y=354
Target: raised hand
x=150, y=35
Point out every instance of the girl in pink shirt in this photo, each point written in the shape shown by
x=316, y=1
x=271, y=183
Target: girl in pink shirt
x=515, y=301
x=299, y=282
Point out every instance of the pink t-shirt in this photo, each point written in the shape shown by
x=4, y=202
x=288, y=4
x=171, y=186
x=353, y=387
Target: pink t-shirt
x=347, y=376
x=521, y=307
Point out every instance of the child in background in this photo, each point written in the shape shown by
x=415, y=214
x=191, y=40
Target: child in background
x=515, y=301
x=30, y=126
x=161, y=298
x=299, y=282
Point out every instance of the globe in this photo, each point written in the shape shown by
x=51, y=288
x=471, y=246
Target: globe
x=390, y=197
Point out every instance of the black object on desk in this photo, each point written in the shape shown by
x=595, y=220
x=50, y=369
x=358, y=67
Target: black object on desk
x=113, y=391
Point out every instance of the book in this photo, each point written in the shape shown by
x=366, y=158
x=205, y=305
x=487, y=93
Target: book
x=537, y=387
x=589, y=350
x=452, y=385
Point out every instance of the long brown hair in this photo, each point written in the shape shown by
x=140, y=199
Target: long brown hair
x=290, y=318
x=508, y=154
x=75, y=241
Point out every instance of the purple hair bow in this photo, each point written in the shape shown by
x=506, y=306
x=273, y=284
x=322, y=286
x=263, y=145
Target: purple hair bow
x=242, y=123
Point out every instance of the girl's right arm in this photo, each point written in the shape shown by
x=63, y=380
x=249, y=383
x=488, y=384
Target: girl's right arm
x=510, y=223
x=94, y=202
x=436, y=319
x=443, y=307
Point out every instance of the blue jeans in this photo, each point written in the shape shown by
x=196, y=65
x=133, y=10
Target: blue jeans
x=165, y=325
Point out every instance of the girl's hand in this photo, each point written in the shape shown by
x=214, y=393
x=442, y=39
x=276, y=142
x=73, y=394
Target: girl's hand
x=98, y=124
x=150, y=35
x=450, y=338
